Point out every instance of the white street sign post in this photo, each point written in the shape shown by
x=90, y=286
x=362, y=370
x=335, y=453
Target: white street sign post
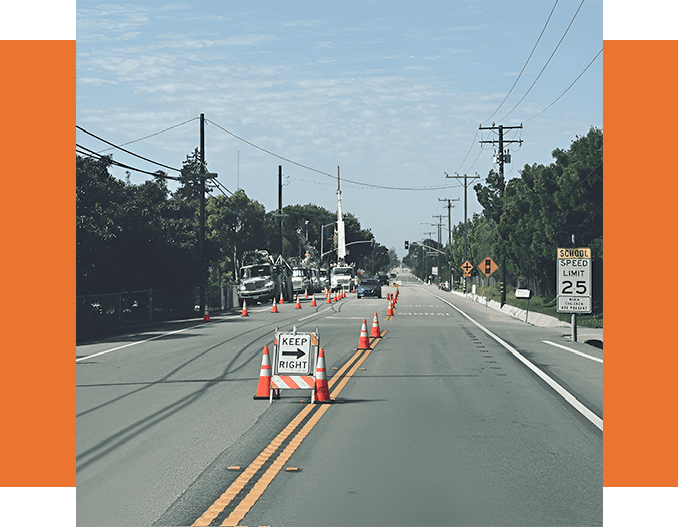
x=573, y=271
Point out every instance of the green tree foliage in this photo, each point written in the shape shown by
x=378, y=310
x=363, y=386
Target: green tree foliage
x=131, y=237
x=234, y=225
x=302, y=229
x=421, y=259
x=482, y=242
x=531, y=216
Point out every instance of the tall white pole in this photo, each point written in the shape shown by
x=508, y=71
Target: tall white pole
x=341, y=235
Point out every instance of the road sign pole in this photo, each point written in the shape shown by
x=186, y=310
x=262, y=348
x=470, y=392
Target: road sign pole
x=574, y=327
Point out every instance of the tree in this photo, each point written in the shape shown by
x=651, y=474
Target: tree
x=393, y=258
x=544, y=208
x=131, y=237
x=234, y=225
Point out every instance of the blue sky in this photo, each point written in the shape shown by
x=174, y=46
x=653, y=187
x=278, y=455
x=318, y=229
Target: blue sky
x=391, y=92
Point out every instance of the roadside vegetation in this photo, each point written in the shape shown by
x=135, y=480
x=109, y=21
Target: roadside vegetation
x=523, y=223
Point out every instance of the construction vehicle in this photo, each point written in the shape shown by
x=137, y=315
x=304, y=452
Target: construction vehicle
x=262, y=278
x=342, y=277
x=305, y=275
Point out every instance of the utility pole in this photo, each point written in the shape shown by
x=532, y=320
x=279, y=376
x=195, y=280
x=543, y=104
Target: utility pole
x=449, y=234
x=449, y=217
x=465, y=176
x=201, y=180
x=341, y=234
x=440, y=241
x=501, y=158
x=280, y=207
x=429, y=234
x=201, y=243
x=202, y=175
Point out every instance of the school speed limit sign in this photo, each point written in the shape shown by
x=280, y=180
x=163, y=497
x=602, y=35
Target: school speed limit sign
x=573, y=270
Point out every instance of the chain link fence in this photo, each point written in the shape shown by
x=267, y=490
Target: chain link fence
x=108, y=314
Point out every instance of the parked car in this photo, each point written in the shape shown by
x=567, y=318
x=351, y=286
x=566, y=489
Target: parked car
x=369, y=286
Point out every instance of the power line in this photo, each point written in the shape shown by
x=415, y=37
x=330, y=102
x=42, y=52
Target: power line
x=525, y=66
x=96, y=155
x=153, y=135
x=370, y=185
x=547, y=62
x=126, y=151
x=568, y=88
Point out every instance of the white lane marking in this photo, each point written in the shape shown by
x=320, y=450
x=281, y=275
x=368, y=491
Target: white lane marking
x=548, y=380
x=134, y=343
x=573, y=351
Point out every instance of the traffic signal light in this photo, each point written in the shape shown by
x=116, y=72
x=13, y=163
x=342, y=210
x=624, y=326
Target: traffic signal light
x=407, y=245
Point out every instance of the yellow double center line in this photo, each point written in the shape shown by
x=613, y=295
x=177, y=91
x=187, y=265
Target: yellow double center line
x=265, y=480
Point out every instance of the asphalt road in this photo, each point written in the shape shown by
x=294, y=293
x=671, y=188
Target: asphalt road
x=458, y=415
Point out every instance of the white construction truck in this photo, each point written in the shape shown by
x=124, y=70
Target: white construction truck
x=262, y=278
x=342, y=277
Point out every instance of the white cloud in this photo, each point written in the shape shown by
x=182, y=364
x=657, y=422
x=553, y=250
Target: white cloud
x=302, y=23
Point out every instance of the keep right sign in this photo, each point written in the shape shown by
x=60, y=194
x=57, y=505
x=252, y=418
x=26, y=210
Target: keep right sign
x=573, y=270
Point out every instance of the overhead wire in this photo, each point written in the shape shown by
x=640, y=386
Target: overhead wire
x=526, y=62
x=97, y=155
x=370, y=185
x=570, y=86
x=154, y=134
x=473, y=141
x=126, y=151
x=547, y=62
x=535, y=81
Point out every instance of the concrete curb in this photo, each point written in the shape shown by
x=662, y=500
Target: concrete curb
x=536, y=319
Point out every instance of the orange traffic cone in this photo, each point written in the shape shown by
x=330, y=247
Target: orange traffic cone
x=376, y=332
x=329, y=300
x=263, y=390
x=282, y=300
x=389, y=312
x=298, y=306
x=206, y=318
x=322, y=389
x=313, y=303
x=306, y=293
x=364, y=343
x=244, y=308
x=274, y=309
